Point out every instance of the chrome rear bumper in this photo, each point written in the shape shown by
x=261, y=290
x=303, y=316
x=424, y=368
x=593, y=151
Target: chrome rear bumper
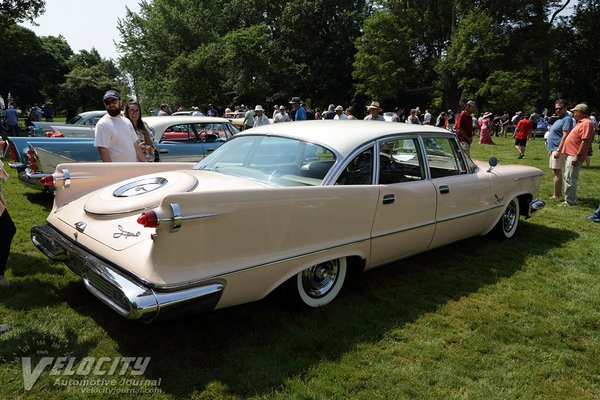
x=124, y=293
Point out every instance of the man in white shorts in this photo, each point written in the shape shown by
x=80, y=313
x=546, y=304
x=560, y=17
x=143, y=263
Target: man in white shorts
x=558, y=132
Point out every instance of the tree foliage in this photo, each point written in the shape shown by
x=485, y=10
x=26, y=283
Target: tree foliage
x=12, y=11
x=504, y=54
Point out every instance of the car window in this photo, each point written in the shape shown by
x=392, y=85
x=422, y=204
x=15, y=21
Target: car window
x=443, y=157
x=75, y=120
x=196, y=133
x=274, y=160
x=359, y=171
x=400, y=161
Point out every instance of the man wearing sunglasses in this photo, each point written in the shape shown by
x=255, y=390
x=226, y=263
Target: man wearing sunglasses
x=558, y=131
x=115, y=137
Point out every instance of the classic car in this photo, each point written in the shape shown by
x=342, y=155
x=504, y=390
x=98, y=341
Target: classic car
x=179, y=138
x=86, y=119
x=291, y=206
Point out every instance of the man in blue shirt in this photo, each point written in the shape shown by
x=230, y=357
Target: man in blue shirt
x=12, y=120
x=558, y=131
x=298, y=112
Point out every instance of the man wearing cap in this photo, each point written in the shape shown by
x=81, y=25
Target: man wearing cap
x=298, y=112
x=464, y=127
x=575, y=146
x=259, y=117
x=212, y=112
x=339, y=113
x=374, y=111
x=559, y=129
x=115, y=137
x=282, y=116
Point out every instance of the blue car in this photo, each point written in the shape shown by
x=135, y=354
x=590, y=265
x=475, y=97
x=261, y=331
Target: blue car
x=180, y=139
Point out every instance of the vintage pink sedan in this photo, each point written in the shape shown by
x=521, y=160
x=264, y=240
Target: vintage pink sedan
x=290, y=206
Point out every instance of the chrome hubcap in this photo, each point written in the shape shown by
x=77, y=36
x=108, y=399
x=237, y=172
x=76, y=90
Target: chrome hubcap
x=510, y=217
x=318, y=280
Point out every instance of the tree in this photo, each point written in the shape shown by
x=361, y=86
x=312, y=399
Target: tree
x=32, y=67
x=13, y=11
x=90, y=76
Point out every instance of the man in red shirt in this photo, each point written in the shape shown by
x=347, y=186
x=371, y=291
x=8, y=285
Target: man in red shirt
x=575, y=146
x=522, y=133
x=464, y=127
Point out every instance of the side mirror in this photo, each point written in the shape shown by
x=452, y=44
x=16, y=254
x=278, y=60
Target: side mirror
x=493, y=161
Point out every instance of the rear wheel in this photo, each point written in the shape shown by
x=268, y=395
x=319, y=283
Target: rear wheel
x=317, y=285
x=509, y=221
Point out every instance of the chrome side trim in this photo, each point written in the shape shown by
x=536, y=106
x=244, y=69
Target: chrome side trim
x=527, y=177
x=120, y=291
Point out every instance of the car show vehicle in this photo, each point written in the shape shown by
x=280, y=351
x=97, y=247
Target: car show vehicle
x=84, y=120
x=284, y=206
x=179, y=138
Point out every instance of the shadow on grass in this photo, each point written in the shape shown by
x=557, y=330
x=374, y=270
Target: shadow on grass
x=255, y=348
x=43, y=199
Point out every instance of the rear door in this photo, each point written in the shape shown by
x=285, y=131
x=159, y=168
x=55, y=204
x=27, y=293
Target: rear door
x=463, y=196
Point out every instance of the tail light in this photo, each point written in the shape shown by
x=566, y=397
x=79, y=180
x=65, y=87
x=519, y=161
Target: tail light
x=32, y=159
x=12, y=153
x=47, y=180
x=148, y=219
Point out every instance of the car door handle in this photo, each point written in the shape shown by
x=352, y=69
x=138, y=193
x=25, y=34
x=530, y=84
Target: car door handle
x=163, y=151
x=444, y=189
x=209, y=150
x=389, y=199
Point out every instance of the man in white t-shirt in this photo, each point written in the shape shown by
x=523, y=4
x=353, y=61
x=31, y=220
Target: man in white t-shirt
x=116, y=139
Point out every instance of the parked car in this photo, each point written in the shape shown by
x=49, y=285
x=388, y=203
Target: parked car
x=290, y=206
x=179, y=138
x=236, y=118
x=541, y=129
x=85, y=119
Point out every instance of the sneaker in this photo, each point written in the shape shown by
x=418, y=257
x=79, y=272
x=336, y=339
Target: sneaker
x=4, y=328
x=554, y=197
x=566, y=204
x=521, y=155
x=4, y=282
x=592, y=218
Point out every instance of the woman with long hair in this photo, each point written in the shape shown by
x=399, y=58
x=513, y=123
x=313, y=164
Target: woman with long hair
x=133, y=112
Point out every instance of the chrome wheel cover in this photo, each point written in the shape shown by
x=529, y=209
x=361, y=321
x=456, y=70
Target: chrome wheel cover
x=319, y=279
x=509, y=219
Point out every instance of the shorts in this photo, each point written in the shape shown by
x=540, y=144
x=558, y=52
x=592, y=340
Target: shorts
x=521, y=142
x=557, y=163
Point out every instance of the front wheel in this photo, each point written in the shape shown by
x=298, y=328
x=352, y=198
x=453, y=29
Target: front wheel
x=509, y=221
x=317, y=285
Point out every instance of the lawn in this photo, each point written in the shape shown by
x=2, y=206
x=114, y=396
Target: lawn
x=478, y=319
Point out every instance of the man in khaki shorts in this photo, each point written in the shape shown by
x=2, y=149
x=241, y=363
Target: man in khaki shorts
x=558, y=131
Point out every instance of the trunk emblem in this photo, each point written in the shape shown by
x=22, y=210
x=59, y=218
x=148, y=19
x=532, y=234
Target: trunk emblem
x=140, y=187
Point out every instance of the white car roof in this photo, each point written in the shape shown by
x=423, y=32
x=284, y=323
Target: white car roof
x=343, y=136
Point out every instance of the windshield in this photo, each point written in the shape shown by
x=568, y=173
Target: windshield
x=274, y=160
x=74, y=120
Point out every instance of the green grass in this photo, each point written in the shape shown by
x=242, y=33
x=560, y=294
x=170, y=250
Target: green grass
x=479, y=319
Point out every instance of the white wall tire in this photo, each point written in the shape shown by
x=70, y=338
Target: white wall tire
x=509, y=221
x=317, y=285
